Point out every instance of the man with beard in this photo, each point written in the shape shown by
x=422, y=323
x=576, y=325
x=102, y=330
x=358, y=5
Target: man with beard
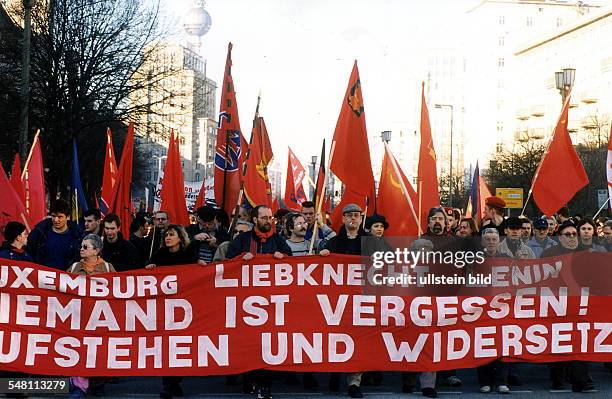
x=119, y=252
x=296, y=226
x=578, y=372
x=207, y=233
x=513, y=245
x=436, y=223
x=540, y=241
x=161, y=220
x=260, y=240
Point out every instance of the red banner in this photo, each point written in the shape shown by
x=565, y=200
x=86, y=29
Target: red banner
x=301, y=313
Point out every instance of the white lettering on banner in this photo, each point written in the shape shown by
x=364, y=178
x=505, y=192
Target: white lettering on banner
x=404, y=352
x=13, y=352
x=178, y=348
x=72, y=310
x=33, y=349
x=115, y=351
x=65, y=348
x=275, y=348
x=258, y=315
x=219, y=353
x=145, y=352
x=171, y=306
x=480, y=342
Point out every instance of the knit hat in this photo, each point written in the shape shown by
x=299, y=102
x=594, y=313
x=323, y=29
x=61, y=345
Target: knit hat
x=376, y=218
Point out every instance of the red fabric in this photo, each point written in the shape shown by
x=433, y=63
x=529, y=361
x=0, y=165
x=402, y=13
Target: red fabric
x=350, y=160
x=121, y=199
x=33, y=180
x=231, y=147
x=250, y=309
x=109, y=176
x=11, y=206
x=349, y=197
x=427, y=180
x=16, y=179
x=256, y=182
x=263, y=237
x=391, y=201
x=294, y=190
x=560, y=174
x=201, y=199
x=172, y=193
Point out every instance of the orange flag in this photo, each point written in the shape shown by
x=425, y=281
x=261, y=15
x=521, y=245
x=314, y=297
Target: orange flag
x=392, y=202
x=350, y=157
x=121, y=199
x=33, y=179
x=294, y=190
x=11, y=206
x=172, y=194
x=109, y=176
x=16, y=178
x=231, y=147
x=427, y=181
x=257, y=187
x=560, y=174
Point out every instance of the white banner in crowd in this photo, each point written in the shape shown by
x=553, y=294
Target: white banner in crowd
x=192, y=189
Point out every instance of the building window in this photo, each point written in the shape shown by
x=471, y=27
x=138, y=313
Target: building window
x=559, y=22
x=499, y=147
x=501, y=20
x=500, y=126
x=500, y=62
x=148, y=176
x=529, y=22
x=501, y=41
x=197, y=177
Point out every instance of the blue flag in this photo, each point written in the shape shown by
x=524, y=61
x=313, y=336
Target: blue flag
x=79, y=204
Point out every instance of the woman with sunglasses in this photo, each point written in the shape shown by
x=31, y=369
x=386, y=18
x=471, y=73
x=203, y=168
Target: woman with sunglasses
x=176, y=249
x=91, y=263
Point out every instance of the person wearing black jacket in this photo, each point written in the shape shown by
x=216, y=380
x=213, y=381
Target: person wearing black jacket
x=176, y=249
x=578, y=372
x=56, y=242
x=348, y=241
x=208, y=232
x=117, y=250
x=16, y=238
x=260, y=240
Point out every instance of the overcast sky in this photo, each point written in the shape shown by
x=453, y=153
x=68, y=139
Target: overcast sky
x=299, y=54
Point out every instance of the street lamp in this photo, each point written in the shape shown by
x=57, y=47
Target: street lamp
x=564, y=80
x=313, y=164
x=450, y=182
x=25, y=78
x=386, y=136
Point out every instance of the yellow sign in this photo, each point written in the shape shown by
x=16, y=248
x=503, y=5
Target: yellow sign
x=512, y=196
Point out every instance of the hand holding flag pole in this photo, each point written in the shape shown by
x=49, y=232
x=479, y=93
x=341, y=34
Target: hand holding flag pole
x=321, y=199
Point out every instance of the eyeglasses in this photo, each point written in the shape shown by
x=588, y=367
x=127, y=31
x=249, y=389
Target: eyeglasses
x=570, y=234
x=86, y=247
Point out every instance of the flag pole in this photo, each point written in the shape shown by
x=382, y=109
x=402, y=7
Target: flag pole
x=319, y=204
x=244, y=170
x=420, y=196
x=403, y=186
x=601, y=209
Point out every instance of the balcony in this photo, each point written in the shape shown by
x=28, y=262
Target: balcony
x=536, y=133
x=521, y=135
x=522, y=114
x=589, y=96
x=537, y=110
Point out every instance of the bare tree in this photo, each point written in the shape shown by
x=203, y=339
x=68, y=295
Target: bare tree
x=86, y=65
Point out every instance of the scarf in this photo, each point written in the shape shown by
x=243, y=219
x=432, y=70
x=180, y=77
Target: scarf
x=263, y=237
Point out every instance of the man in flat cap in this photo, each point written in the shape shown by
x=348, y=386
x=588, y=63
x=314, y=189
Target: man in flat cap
x=348, y=241
x=513, y=246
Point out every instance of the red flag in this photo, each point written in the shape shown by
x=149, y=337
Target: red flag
x=427, y=181
x=16, y=179
x=172, y=194
x=231, y=146
x=201, y=199
x=392, y=202
x=11, y=206
x=560, y=174
x=350, y=159
x=294, y=190
x=257, y=187
x=109, y=176
x=33, y=179
x=275, y=205
x=121, y=199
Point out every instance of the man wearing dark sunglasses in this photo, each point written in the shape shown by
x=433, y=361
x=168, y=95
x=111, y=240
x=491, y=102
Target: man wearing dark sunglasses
x=568, y=240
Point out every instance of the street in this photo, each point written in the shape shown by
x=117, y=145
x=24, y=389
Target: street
x=535, y=385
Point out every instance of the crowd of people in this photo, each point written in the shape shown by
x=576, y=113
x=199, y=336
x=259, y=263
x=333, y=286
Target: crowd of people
x=95, y=245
